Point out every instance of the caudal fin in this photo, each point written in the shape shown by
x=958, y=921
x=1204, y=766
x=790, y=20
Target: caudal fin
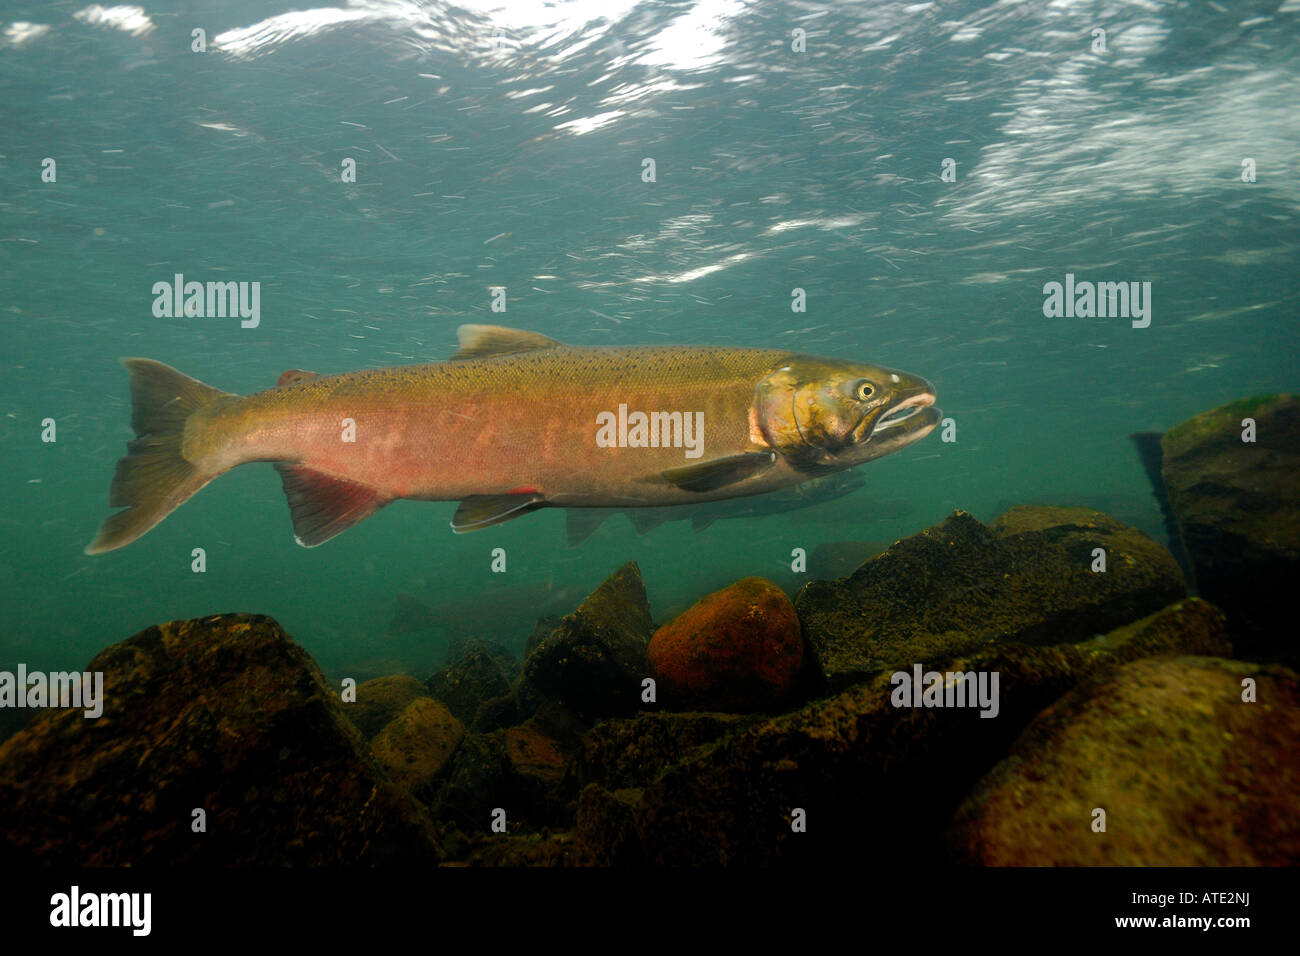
x=154, y=478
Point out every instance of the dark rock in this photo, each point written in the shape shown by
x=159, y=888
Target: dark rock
x=562, y=725
x=738, y=649
x=415, y=746
x=1238, y=509
x=839, y=559
x=226, y=714
x=609, y=827
x=960, y=586
x=631, y=752
x=461, y=648
x=380, y=700
x=541, y=630
x=1187, y=773
x=367, y=669
x=476, y=673
x=13, y=720
x=494, y=714
x=867, y=774
x=476, y=783
x=525, y=849
x=594, y=661
x=518, y=769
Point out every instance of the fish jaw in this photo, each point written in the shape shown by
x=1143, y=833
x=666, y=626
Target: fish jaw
x=824, y=416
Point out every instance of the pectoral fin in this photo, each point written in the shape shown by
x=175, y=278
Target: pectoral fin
x=720, y=472
x=483, y=511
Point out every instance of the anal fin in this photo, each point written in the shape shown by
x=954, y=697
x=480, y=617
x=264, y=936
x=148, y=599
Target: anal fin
x=646, y=520
x=580, y=523
x=720, y=472
x=323, y=506
x=483, y=511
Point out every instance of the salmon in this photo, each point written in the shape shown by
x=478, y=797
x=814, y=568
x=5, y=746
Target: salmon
x=513, y=422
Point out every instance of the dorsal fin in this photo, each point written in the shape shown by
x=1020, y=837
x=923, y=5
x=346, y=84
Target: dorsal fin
x=480, y=341
x=294, y=375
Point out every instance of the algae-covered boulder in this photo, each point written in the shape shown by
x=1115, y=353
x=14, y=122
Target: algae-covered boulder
x=1237, y=504
x=380, y=700
x=839, y=559
x=1029, y=577
x=223, y=714
x=633, y=751
x=1186, y=772
x=415, y=746
x=519, y=770
x=853, y=770
x=476, y=672
x=738, y=649
x=594, y=660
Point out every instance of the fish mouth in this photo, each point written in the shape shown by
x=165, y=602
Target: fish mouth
x=904, y=411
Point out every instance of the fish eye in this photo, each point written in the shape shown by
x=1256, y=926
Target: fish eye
x=865, y=390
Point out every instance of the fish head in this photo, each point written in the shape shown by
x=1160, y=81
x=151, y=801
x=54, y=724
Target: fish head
x=823, y=415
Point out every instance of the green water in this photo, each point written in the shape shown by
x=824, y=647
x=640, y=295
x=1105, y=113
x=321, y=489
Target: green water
x=517, y=162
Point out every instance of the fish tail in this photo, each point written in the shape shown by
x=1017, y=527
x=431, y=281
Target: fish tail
x=154, y=478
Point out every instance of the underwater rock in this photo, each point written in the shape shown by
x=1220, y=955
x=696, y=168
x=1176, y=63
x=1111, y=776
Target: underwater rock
x=534, y=755
x=459, y=648
x=609, y=831
x=839, y=559
x=475, y=783
x=225, y=714
x=853, y=769
x=1187, y=773
x=416, y=745
x=1238, y=509
x=632, y=751
x=525, y=849
x=959, y=586
x=542, y=629
x=518, y=770
x=494, y=714
x=380, y=700
x=477, y=672
x=594, y=661
x=13, y=720
x=738, y=649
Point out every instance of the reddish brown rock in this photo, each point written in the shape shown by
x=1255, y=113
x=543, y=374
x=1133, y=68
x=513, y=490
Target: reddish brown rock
x=739, y=649
x=533, y=754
